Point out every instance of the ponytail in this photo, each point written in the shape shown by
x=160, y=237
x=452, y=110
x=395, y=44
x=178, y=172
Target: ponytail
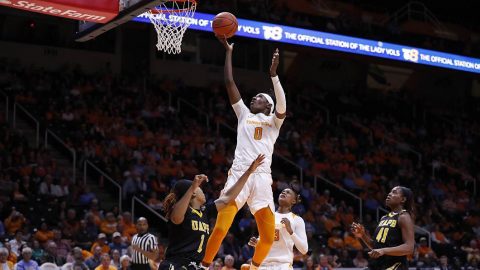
x=409, y=204
x=168, y=204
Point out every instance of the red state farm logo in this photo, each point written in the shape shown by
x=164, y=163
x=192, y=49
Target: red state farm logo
x=55, y=10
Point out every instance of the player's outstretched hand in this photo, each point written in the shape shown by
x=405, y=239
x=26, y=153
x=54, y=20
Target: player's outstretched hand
x=275, y=62
x=198, y=180
x=375, y=253
x=223, y=40
x=257, y=162
x=253, y=242
x=358, y=230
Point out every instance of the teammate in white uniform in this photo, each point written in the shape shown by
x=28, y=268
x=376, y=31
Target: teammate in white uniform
x=258, y=129
x=289, y=231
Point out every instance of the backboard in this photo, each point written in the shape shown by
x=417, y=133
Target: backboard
x=129, y=9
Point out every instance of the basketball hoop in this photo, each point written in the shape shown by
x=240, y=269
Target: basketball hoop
x=171, y=19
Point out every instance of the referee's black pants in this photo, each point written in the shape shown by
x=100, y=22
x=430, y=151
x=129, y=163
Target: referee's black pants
x=140, y=266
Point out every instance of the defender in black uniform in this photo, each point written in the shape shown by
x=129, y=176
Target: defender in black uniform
x=188, y=219
x=394, y=237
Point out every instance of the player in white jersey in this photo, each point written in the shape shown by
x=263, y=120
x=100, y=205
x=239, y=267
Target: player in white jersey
x=289, y=232
x=258, y=129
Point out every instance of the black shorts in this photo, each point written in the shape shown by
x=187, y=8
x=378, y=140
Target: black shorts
x=178, y=265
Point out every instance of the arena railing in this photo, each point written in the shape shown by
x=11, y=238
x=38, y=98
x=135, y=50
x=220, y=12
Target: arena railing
x=50, y=134
x=438, y=164
x=317, y=105
x=348, y=193
x=158, y=221
x=418, y=229
x=16, y=108
x=135, y=199
x=7, y=104
x=87, y=164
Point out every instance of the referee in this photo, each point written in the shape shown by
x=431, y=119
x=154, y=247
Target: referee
x=144, y=246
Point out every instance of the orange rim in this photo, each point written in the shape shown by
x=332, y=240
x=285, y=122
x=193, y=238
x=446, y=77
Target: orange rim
x=159, y=11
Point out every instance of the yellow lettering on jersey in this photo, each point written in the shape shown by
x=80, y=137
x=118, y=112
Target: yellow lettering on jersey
x=200, y=226
x=194, y=225
x=258, y=123
x=394, y=223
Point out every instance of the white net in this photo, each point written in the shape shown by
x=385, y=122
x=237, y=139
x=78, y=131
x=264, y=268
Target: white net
x=171, y=19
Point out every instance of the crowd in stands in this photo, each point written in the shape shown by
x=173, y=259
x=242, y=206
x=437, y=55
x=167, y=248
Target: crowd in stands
x=146, y=144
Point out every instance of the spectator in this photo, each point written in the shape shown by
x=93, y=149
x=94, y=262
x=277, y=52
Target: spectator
x=37, y=252
x=44, y=234
x=17, y=243
x=27, y=263
x=94, y=261
x=84, y=238
x=128, y=228
x=335, y=241
x=117, y=244
x=109, y=225
x=351, y=242
x=473, y=253
x=444, y=263
x=229, y=262
x=359, y=261
x=70, y=224
x=309, y=264
x=47, y=188
x=230, y=247
x=4, y=263
x=115, y=258
x=79, y=261
x=154, y=202
x=323, y=263
x=63, y=247
x=125, y=263
x=11, y=256
x=51, y=254
x=105, y=263
x=102, y=243
x=14, y=222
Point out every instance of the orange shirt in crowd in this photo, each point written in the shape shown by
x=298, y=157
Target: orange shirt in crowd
x=43, y=236
x=352, y=242
x=13, y=225
x=105, y=248
x=108, y=227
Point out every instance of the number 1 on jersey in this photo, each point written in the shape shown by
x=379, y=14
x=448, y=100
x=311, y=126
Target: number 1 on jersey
x=382, y=235
x=258, y=133
x=200, y=247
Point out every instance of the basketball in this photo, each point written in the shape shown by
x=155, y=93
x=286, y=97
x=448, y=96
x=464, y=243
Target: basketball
x=225, y=24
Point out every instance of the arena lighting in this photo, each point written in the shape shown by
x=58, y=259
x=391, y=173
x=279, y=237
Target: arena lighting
x=323, y=40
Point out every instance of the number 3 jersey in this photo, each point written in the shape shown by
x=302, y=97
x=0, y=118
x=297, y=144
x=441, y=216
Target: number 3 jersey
x=187, y=240
x=256, y=134
x=388, y=234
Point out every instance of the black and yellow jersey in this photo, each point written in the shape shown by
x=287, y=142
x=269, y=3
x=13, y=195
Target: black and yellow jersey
x=187, y=240
x=388, y=234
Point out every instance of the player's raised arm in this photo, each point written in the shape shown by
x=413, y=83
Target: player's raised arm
x=281, y=106
x=233, y=192
x=232, y=90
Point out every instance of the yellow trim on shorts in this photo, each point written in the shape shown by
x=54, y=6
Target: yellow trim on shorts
x=394, y=267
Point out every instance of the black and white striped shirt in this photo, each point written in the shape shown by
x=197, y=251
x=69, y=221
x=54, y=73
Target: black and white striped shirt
x=147, y=242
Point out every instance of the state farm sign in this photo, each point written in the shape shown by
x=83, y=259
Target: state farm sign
x=99, y=12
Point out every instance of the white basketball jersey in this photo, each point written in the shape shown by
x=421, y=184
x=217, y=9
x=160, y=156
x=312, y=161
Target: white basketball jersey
x=282, y=248
x=256, y=134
